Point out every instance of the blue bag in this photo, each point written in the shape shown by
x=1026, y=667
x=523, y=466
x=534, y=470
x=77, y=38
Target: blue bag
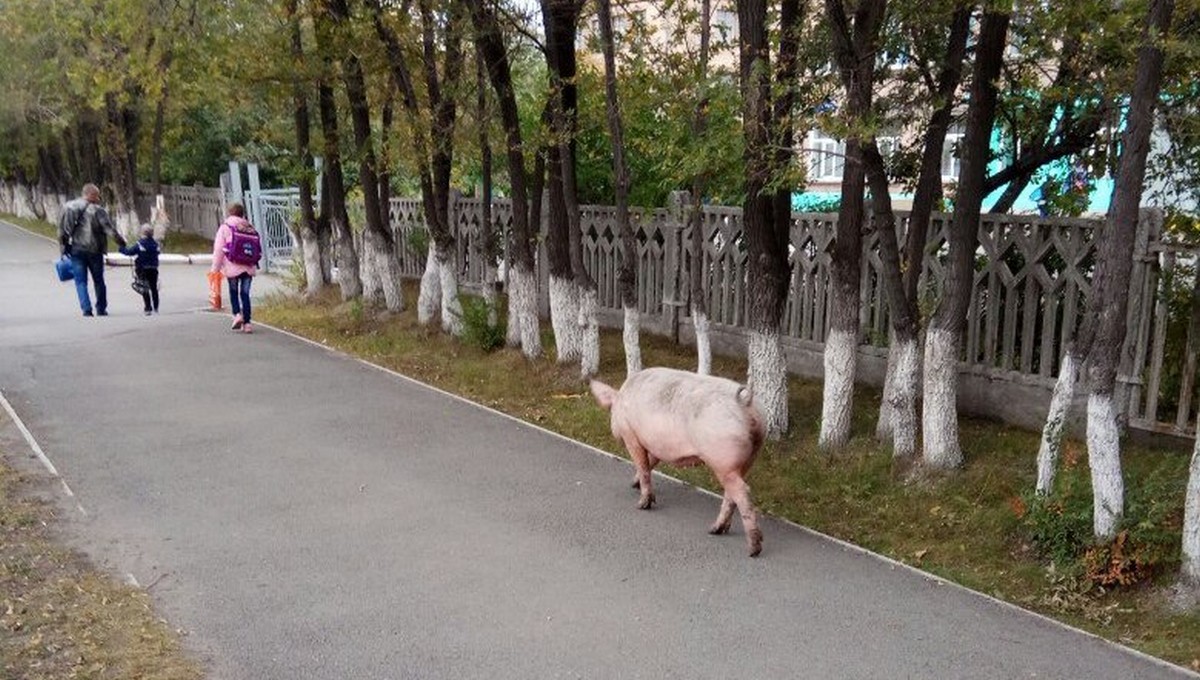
x=64, y=269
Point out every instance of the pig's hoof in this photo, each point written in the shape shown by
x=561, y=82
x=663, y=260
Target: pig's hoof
x=636, y=484
x=755, y=538
x=718, y=529
x=646, y=502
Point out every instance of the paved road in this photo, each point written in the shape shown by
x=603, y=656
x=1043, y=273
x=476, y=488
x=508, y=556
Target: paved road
x=304, y=515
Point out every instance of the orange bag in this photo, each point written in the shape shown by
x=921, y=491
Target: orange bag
x=214, y=291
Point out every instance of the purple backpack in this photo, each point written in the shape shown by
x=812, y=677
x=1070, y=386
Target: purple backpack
x=244, y=247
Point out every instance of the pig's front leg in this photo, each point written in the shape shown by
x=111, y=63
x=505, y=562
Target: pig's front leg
x=641, y=462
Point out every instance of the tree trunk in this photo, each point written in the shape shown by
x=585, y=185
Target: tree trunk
x=559, y=18
x=377, y=238
x=160, y=110
x=627, y=274
x=696, y=267
x=310, y=244
x=443, y=106
x=855, y=49
x=334, y=197
x=117, y=159
x=488, y=251
x=943, y=340
x=1190, y=570
x=767, y=265
x=1056, y=421
x=1110, y=287
x=904, y=364
x=522, y=280
x=904, y=358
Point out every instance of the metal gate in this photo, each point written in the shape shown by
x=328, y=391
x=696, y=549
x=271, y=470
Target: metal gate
x=271, y=211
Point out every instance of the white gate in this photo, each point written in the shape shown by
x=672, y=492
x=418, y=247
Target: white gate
x=271, y=211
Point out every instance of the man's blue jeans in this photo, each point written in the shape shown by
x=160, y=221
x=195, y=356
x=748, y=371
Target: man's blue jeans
x=82, y=263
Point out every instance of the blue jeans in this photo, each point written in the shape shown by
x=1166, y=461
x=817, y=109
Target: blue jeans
x=239, y=295
x=82, y=263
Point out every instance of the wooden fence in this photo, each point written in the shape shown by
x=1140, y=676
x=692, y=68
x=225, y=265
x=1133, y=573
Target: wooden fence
x=1031, y=286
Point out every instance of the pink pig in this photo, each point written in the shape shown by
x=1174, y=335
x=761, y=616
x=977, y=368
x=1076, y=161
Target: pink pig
x=662, y=414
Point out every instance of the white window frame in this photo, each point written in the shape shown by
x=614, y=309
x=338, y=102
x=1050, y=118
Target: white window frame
x=826, y=157
x=950, y=160
x=888, y=145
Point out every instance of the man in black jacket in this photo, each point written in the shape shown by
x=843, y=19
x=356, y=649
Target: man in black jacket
x=83, y=231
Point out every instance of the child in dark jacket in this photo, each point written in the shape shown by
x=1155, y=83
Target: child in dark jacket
x=145, y=266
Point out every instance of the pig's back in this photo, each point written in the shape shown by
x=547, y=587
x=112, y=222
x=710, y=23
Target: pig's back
x=679, y=414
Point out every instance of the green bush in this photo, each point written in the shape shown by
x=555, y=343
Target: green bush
x=1147, y=544
x=478, y=329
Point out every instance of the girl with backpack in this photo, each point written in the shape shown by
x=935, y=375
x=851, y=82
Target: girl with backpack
x=236, y=252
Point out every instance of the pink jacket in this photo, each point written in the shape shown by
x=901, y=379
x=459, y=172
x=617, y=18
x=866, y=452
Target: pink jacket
x=221, y=263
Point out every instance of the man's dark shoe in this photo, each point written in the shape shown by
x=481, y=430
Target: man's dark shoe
x=88, y=313
x=101, y=313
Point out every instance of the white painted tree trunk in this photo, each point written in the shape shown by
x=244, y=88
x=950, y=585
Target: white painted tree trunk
x=767, y=380
x=429, y=298
x=158, y=218
x=390, y=280
x=1190, y=572
x=372, y=283
x=838, y=402
x=451, y=307
x=905, y=382
x=632, y=338
x=940, y=415
x=883, y=425
x=1104, y=459
x=589, y=333
x=703, y=342
x=523, y=310
x=126, y=222
x=512, y=333
x=489, y=293
x=564, y=318
x=1056, y=420
x=313, y=273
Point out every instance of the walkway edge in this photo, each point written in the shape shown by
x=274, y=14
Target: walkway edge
x=849, y=547
x=38, y=452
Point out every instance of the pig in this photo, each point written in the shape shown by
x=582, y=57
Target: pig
x=682, y=418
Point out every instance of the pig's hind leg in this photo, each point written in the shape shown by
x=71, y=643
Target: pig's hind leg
x=737, y=489
x=637, y=483
x=724, y=517
x=642, y=464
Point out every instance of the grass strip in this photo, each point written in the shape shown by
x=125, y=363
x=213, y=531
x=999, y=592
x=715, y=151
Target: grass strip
x=60, y=617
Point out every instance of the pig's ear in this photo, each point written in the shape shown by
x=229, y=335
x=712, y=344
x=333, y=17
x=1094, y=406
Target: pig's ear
x=604, y=394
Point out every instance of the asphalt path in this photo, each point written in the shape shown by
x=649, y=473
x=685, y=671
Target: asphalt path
x=301, y=514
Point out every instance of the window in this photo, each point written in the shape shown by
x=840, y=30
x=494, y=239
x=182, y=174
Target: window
x=887, y=146
x=826, y=157
x=951, y=162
